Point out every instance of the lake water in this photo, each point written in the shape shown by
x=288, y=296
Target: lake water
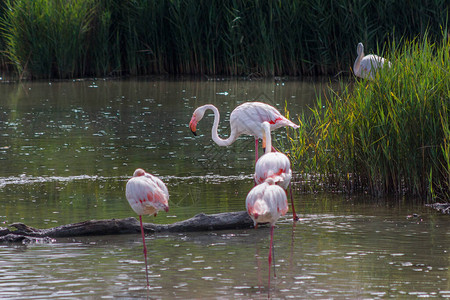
x=68, y=148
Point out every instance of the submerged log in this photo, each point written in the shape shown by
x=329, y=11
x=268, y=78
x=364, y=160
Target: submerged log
x=442, y=207
x=200, y=222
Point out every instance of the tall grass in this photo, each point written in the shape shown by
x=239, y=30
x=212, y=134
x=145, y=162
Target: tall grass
x=389, y=135
x=47, y=38
x=56, y=38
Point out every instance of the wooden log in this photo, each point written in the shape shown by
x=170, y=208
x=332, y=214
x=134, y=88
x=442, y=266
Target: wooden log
x=442, y=207
x=200, y=222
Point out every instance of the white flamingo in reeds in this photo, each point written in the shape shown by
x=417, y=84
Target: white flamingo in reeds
x=147, y=195
x=367, y=66
x=265, y=203
x=244, y=119
x=274, y=164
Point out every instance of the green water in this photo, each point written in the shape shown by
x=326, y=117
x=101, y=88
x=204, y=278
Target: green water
x=68, y=148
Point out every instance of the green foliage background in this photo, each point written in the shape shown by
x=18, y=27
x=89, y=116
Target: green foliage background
x=76, y=38
x=390, y=135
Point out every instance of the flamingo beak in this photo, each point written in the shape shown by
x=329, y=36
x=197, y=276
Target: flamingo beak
x=264, y=144
x=166, y=208
x=193, y=125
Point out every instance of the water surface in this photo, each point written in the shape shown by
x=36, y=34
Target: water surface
x=68, y=148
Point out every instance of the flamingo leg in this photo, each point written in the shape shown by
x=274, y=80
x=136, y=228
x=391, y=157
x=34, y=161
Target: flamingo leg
x=292, y=203
x=273, y=259
x=256, y=156
x=145, y=251
x=270, y=251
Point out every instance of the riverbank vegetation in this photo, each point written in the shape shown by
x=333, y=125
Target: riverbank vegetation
x=386, y=136
x=81, y=38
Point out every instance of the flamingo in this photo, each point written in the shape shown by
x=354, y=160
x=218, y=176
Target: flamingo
x=367, y=66
x=244, y=119
x=265, y=203
x=147, y=195
x=274, y=164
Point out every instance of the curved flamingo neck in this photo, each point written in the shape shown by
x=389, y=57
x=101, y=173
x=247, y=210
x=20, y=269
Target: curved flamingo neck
x=215, y=136
x=357, y=64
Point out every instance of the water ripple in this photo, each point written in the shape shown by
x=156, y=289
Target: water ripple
x=25, y=179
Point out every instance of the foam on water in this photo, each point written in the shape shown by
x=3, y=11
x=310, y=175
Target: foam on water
x=26, y=179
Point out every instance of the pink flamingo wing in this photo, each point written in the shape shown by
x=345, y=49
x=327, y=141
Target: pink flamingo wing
x=247, y=118
x=266, y=203
x=278, y=200
x=159, y=183
x=273, y=164
x=145, y=197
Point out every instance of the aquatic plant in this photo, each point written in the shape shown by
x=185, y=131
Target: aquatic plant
x=389, y=135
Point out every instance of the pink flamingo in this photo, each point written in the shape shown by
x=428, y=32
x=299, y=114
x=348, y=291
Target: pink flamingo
x=274, y=164
x=265, y=203
x=147, y=195
x=367, y=66
x=244, y=119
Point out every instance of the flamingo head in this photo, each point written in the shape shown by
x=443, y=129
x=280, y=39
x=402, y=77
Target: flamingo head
x=193, y=124
x=138, y=172
x=360, y=49
x=274, y=179
x=196, y=117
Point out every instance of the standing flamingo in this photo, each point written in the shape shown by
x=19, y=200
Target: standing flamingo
x=367, y=66
x=244, y=119
x=265, y=203
x=147, y=195
x=274, y=164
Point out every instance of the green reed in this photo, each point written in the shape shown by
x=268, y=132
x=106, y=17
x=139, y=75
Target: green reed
x=389, y=135
x=47, y=38
x=55, y=38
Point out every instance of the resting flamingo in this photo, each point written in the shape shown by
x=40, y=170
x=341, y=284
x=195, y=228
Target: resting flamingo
x=367, y=66
x=244, y=119
x=265, y=203
x=274, y=164
x=147, y=195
